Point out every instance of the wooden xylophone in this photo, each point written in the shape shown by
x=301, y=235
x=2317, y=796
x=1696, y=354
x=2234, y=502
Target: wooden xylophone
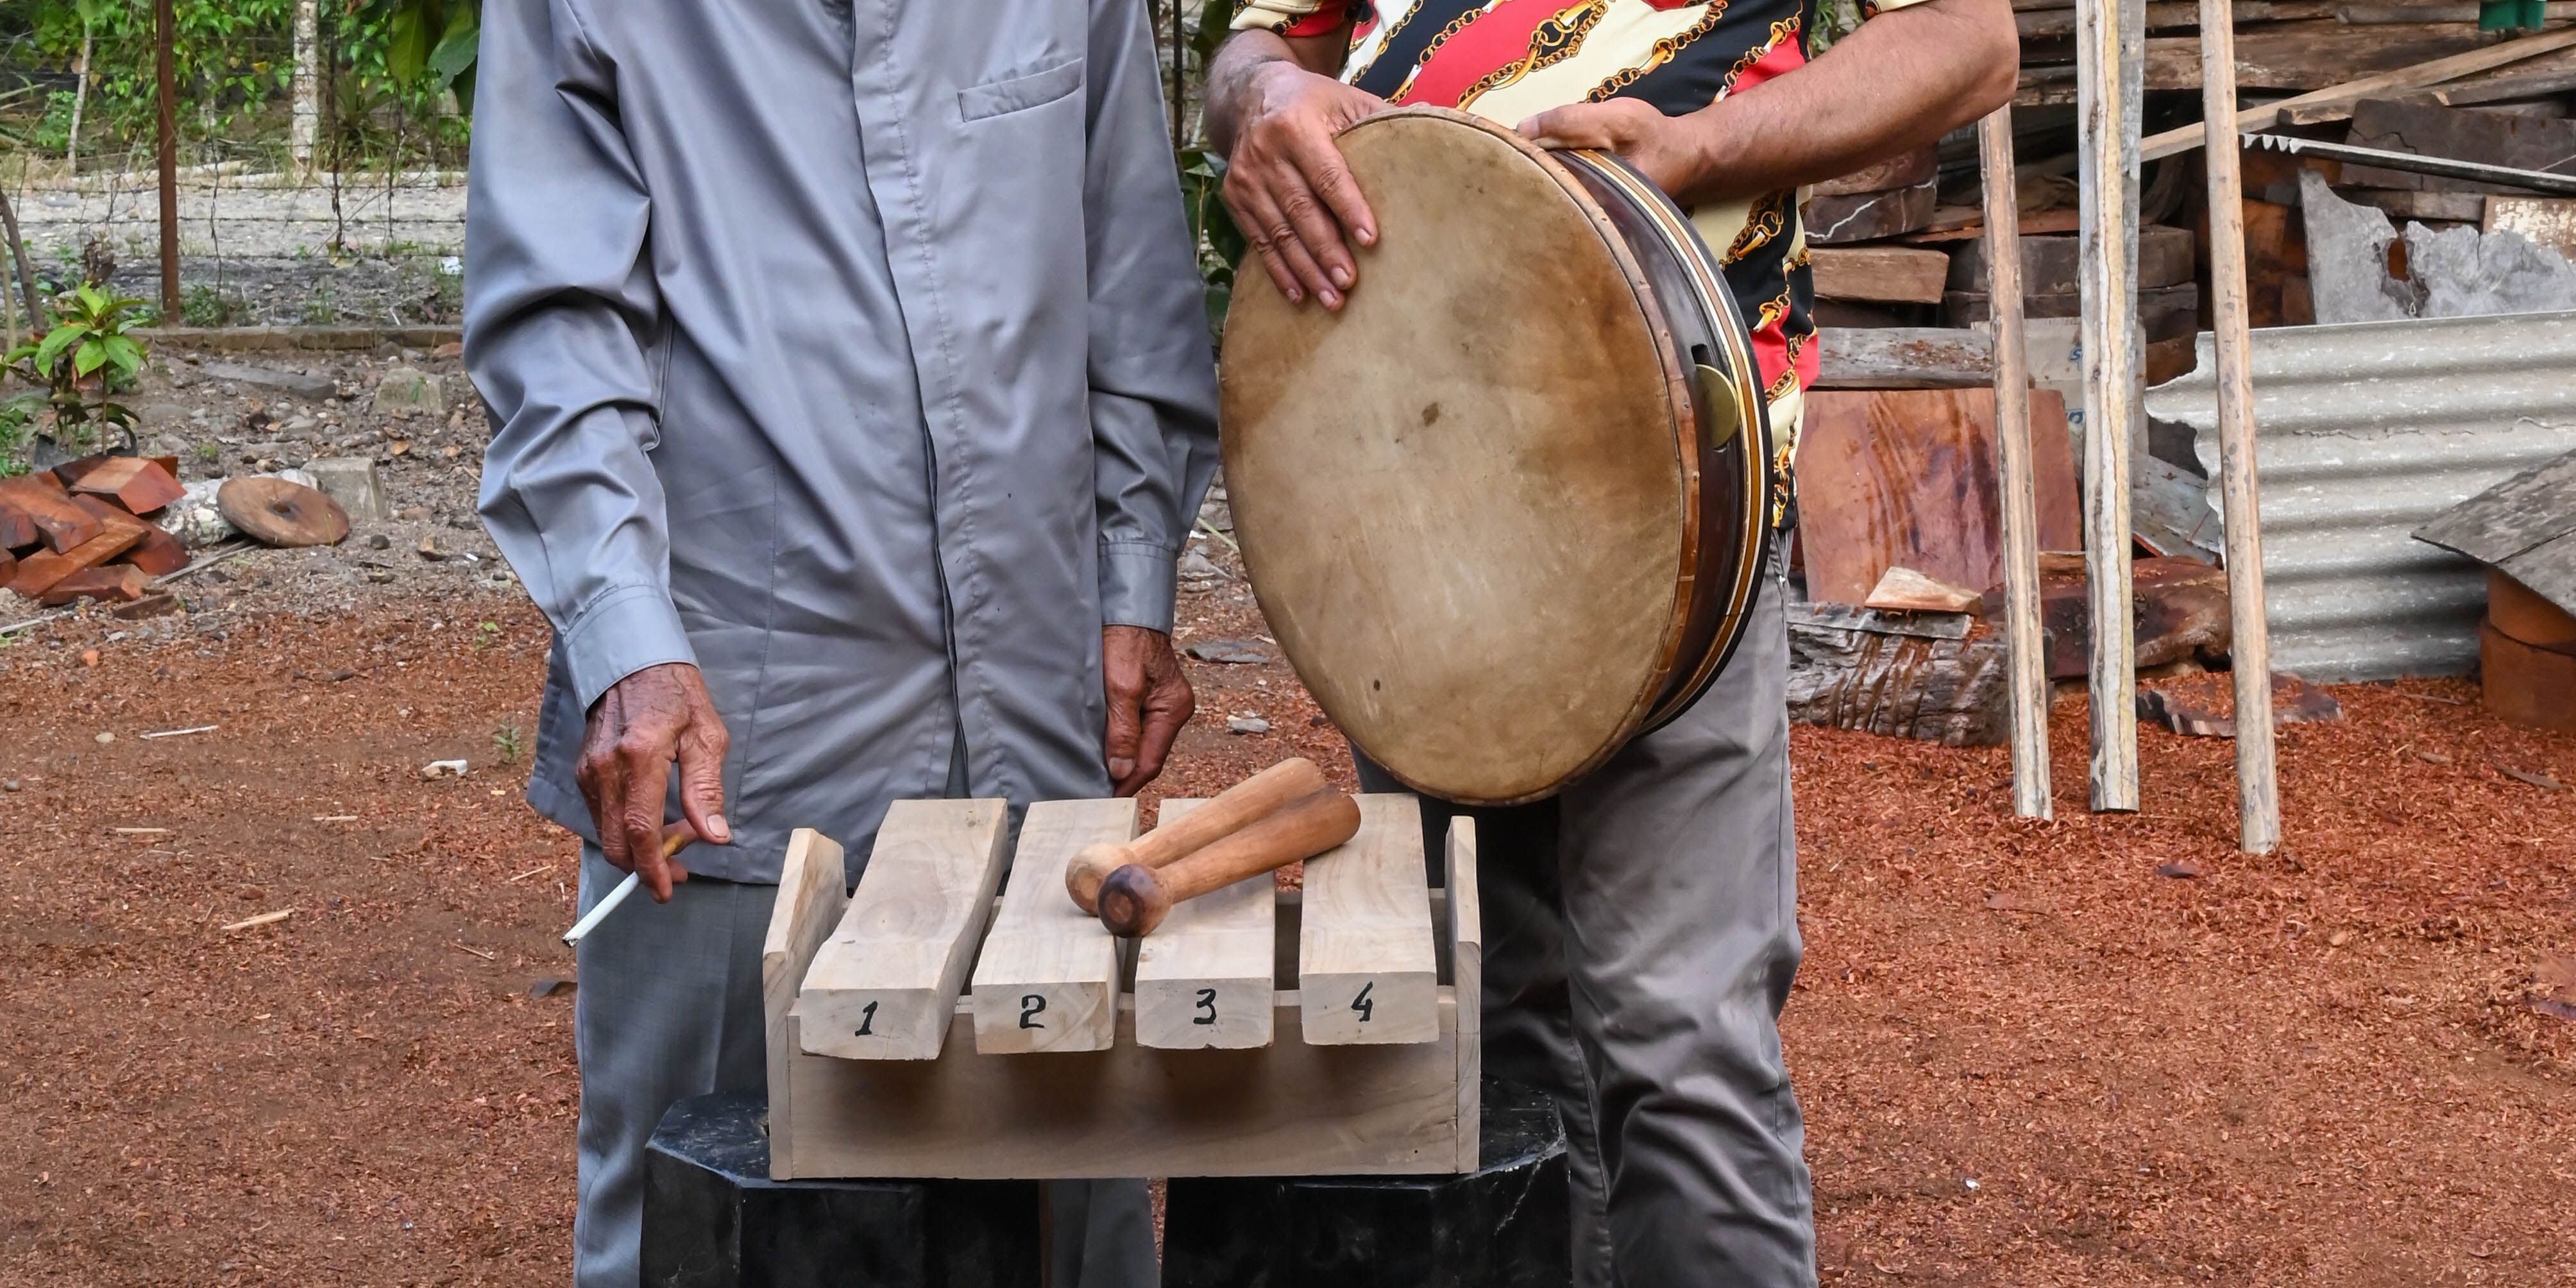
x=958, y=1016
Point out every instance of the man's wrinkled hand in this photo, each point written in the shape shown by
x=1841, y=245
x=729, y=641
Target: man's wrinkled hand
x=1288, y=187
x=636, y=729
x=1149, y=701
x=1661, y=147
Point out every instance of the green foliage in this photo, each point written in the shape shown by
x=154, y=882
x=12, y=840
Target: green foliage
x=509, y=743
x=1219, y=243
x=14, y=426
x=205, y=306
x=434, y=40
x=86, y=356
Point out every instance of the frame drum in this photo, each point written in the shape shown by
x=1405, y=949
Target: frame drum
x=1508, y=509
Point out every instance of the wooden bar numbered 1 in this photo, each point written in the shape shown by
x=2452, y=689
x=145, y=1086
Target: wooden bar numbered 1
x=1204, y=977
x=1366, y=969
x=1047, y=979
x=885, y=984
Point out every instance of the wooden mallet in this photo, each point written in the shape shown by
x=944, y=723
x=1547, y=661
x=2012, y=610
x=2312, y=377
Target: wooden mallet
x=1135, y=898
x=1264, y=793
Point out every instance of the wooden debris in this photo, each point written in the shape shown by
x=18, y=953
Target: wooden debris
x=2422, y=75
x=2547, y=221
x=1904, y=170
x=1937, y=690
x=2180, y=603
x=158, y=553
x=137, y=485
x=1903, y=589
x=276, y=512
x=41, y=500
x=2203, y=706
x=1870, y=216
x=2542, y=781
x=121, y=582
x=263, y=919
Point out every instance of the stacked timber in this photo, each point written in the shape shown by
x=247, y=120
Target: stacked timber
x=79, y=531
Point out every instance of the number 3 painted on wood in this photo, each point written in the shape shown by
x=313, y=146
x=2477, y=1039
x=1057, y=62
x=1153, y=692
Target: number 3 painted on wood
x=1207, y=1003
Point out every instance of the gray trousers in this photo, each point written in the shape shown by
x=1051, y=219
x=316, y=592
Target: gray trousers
x=1640, y=935
x=670, y=1008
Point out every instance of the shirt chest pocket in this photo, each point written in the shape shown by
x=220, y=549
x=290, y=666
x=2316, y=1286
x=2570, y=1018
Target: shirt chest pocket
x=1020, y=93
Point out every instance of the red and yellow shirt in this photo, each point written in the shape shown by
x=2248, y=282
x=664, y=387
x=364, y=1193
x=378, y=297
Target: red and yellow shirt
x=1508, y=60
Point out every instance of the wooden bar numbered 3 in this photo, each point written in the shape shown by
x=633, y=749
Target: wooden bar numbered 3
x=1204, y=977
x=1047, y=979
x=1366, y=969
x=884, y=986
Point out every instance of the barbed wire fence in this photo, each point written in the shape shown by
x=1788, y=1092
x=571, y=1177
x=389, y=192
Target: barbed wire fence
x=312, y=191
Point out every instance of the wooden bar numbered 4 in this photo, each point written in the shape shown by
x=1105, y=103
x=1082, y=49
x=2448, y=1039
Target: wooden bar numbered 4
x=886, y=983
x=1366, y=968
x=1204, y=978
x=1047, y=979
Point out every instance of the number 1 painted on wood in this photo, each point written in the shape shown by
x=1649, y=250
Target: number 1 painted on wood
x=868, y=1020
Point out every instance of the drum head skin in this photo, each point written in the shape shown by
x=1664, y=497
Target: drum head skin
x=1462, y=499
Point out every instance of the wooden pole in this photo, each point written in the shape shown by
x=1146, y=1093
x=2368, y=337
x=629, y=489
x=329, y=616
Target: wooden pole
x=165, y=77
x=2029, y=657
x=2258, y=799
x=2110, y=75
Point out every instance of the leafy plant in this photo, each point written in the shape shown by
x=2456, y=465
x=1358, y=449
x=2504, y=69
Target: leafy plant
x=205, y=306
x=486, y=634
x=87, y=356
x=435, y=39
x=509, y=743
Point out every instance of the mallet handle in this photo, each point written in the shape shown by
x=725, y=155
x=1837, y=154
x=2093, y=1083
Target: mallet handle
x=1136, y=898
x=1290, y=780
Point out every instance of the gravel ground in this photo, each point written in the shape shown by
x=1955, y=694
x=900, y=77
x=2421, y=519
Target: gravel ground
x=2026, y=1056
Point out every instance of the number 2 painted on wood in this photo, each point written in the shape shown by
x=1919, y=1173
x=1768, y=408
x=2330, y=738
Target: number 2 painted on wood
x=868, y=1020
x=1031, y=1004
x=1207, y=1003
x=1362, y=1004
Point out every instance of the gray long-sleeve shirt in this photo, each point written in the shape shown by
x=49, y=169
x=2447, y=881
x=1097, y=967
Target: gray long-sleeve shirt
x=852, y=351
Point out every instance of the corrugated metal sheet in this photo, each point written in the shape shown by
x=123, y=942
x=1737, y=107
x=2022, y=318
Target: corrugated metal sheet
x=2364, y=432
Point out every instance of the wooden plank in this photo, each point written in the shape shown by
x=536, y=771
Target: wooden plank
x=1365, y=966
x=2457, y=134
x=1904, y=170
x=1902, y=358
x=810, y=902
x=2050, y=266
x=2258, y=815
x=2307, y=56
x=1910, y=477
x=2110, y=71
x=117, y=532
x=883, y=986
x=1466, y=911
x=2184, y=138
x=1289, y=1109
x=1898, y=274
x=1869, y=216
x=1047, y=978
x=1205, y=977
x=2015, y=483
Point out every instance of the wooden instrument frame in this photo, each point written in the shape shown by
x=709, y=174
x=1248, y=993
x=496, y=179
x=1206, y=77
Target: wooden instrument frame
x=1288, y=1108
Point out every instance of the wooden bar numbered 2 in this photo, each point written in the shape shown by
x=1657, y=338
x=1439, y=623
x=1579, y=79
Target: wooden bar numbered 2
x=1204, y=977
x=884, y=986
x=1047, y=979
x=1366, y=968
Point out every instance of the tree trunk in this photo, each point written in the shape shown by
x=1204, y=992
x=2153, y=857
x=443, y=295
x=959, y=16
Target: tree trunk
x=36, y=319
x=307, y=87
x=80, y=98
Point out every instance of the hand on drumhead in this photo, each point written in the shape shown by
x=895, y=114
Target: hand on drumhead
x=1288, y=188
x=1660, y=146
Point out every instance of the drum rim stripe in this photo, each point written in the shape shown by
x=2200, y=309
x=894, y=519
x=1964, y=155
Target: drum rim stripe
x=1753, y=426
